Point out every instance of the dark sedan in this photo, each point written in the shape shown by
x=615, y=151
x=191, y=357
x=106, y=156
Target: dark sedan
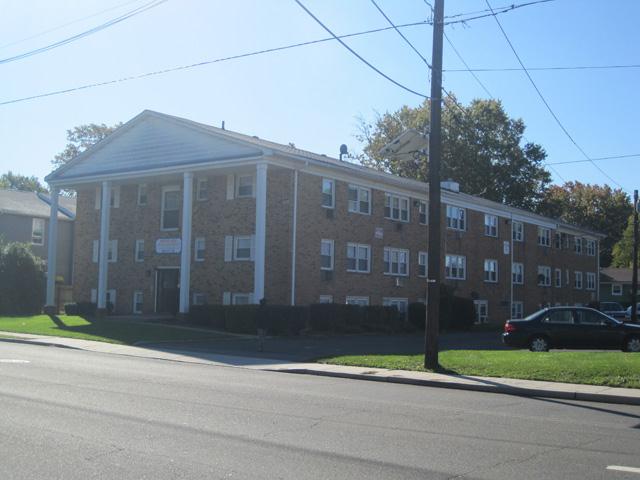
x=571, y=327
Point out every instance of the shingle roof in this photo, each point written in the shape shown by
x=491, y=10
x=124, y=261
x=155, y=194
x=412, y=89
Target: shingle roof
x=616, y=275
x=34, y=204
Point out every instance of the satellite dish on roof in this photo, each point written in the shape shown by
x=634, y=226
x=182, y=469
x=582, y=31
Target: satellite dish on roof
x=409, y=145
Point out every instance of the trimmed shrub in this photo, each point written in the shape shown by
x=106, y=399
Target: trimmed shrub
x=86, y=309
x=456, y=313
x=22, y=281
x=71, y=309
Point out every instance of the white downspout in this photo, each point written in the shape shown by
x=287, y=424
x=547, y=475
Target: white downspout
x=293, y=237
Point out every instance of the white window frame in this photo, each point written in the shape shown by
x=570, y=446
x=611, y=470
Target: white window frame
x=557, y=242
x=37, y=240
x=544, y=237
x=460, y=267
x=114, y=198
x=517, y=273
x=423, y=211
x=325, y=299
x=238, y=178
x=202, y=185
x=591, y=281
x=393, y=202
x=616, y=289
x=138, y=250
x=423, y=261
x=578, y=280
x=111, y=297
x=490, y=275
x=199, y=298
x=517, y=309
x=112, y=251
x=456, y=218
x=388, y=258
x=143, y=193
x=357, y=248
x=478, y=306
x=199, y=245
x=331, y=244
x=545, y=271
x=354, y=205
x=236, y=243
x=490, y=225
x=517, y=231
x=558, y=278
x=591, y=247
x=137, y=293
x=165, y=190
x=357, y=300
x=577, y=245
x=401, y=304
x=332, y=183
x=236, y=297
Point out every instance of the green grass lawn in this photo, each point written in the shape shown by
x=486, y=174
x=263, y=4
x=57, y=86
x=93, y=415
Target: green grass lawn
x=614, y=369
x=109, y=330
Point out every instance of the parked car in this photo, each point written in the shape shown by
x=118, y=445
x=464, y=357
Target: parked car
x=613, y=309
x=627, y=314
x=571, y=327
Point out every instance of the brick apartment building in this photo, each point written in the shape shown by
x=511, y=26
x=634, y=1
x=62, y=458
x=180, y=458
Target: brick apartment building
x=172, y=213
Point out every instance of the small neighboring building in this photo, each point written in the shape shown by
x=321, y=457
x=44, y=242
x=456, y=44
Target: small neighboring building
x=24, y=217
x=615, y=285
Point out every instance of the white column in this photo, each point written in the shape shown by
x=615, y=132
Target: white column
x=52, y=250
x=103, y=265
x=185, y=256
x=261, y=231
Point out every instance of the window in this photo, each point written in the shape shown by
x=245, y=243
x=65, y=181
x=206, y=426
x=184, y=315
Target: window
x=139, y=251
x=491, y=271
x=361, y=301
x=358, y=257
x=588, y=317
x=456, y=218
x=170, y=218
x=559, y=316
x=591, y=248
x=591, y=281
x=577, y=245
x=544, y=276
x=558, y=240
x=114, y=200
x=201, y=189
x=616, y=289
x=424, y=213
x=359, y=200
x=482, y=310
x=199, y=298
x=243, y=247
x=326, y=254
x=517, y=231
x=37, y=231
x=558, y=273
x=396, y=207
x=241, y=298
x=112, y=251
x=396, y=261
x=111, y=298
x=138, y=301
x=199, y=249
x=517, y=272
x=455, y=267
x=544, y=237
x=517, y=310
x=328, y=193
x=142, y=194
x=490, y=225
x=401, y=304
x=422, y=264
x=325, y=299
x=578, y=281
x=244, y=185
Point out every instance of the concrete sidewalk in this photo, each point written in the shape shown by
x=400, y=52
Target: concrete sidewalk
x=509, y=386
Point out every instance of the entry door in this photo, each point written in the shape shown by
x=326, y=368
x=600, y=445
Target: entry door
x=168, y=291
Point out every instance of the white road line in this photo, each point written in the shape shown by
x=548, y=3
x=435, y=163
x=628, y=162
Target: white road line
x=619, y=468
x=13, y=360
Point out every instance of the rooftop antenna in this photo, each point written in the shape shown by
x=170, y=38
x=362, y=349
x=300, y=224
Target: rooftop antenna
x=343, y=151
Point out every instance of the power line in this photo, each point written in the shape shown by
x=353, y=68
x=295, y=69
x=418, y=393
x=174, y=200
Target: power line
x=86, y=33
x=613, y=157
x=356, y=54
x=494, y=13
x=466, y=65
x=207, y=62
x=516, y=69
x=553, y=114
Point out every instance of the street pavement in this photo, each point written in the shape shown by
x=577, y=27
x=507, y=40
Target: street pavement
x=73, y=414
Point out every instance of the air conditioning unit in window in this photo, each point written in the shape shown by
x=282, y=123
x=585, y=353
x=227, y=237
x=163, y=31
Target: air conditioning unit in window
x=327, y=275
x=329, y=212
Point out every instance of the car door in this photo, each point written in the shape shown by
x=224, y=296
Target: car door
x=558, y=325
x=596, y=330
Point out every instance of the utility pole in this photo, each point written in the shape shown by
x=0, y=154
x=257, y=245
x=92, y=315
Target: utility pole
x=435, y=212
x=634, y=281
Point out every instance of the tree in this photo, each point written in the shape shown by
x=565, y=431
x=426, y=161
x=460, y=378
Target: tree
x=622, y=256
x=80, y=138
x=598, y=208
x=21, y=182
x=22, y=280
x=482, y=149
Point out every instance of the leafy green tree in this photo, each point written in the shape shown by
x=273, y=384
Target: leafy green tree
x=482, y=149
x=598, y=208
x=623, y=249
x=21, y=182
x=80, y=138
x=22, y=280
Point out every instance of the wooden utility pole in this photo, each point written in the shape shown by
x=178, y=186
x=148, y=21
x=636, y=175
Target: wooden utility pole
x=435, y=212
x=634, y=281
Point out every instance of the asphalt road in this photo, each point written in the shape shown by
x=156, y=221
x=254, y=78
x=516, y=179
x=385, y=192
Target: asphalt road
x=69, y=414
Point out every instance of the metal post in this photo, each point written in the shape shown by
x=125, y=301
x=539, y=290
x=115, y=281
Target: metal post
x=51, y=305
x=634, y=281
x=435, y=213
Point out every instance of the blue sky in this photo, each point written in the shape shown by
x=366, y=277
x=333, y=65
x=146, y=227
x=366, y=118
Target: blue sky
x=313, y=95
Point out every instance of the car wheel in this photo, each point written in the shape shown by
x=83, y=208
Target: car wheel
x=539, y=344
x=632, y=344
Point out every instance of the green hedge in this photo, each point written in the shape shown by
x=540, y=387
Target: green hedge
x=22, y=280
x=456, y=313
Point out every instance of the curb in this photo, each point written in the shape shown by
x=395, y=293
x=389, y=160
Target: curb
x=37, y=342
x=503, y=389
